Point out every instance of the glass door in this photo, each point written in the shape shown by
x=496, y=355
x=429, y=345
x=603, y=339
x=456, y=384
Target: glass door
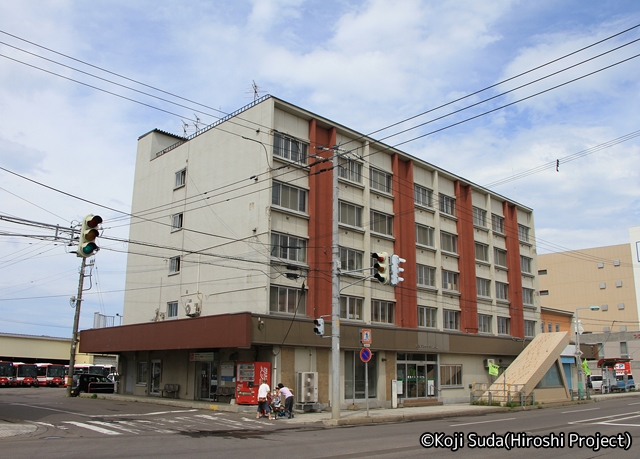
x=156, y=376
x=206, y=380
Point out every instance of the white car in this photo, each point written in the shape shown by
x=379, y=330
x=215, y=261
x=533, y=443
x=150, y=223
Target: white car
x=595, y=382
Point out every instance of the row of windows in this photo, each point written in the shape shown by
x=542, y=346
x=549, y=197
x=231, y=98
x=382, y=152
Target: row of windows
x=295, y=198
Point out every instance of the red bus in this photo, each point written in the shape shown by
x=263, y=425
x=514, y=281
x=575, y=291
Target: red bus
x=6, y=373
x=50, y=374
x=26, y=374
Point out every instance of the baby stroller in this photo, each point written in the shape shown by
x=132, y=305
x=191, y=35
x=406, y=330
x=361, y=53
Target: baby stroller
x=277, y=407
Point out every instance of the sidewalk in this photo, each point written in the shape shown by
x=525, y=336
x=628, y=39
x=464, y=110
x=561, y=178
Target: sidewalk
x=347, y=417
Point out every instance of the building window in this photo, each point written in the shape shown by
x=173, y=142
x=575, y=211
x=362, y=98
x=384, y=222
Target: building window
x=423, y=196
x=484, y=323
x=620, y=306
x=497, y=223
x=503, y=325
x=483, y=287
x=601, y=350
x=557, y=328
x=447, y=205
x=542, y=326
x=523, y=233
x=550, y=327
x=174, y=265
x=172, y=309
x=525, y=264
x=287, y=300
x=479, y=217
x=382, y=312
x=426, y=276
x=448, y=242
x=181, y=178
x=616, y=262
x=600, y=265
x=350, y=214
x=350, y=259
x=606, y=329
x=289, y=197
x=542, y=272
x=451, y=375
x=381, y=223
x=380, y=180
x=527, y=296
x=605, y=307
x=289, y=148
x=449, y=280
x=349, y=169
x=351, y=308
x=603, y=285
x=624, y=350
x=482, y=252
x=500, y=257
x=450, y=319
x=142, y=373
x=530, y=328
x=427, y=317
x=623, y=328
x=618, y=284
x=544, y=292
x=502, y=291
x=425, y=235
x=288, y=247
x=176, y=221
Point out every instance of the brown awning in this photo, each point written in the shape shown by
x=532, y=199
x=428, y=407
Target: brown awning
x=226, y=330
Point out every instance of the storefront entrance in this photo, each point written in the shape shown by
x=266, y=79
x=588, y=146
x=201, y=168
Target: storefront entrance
x=417, y=373
x=206, y=380
x=156, y=376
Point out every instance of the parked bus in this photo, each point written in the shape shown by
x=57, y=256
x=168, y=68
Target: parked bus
x=6, y=373
x=82, y=368
x=26, y=374
x=50, y=374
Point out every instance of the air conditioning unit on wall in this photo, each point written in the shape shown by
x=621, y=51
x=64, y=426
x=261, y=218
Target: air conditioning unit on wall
x=306, y=387
x=489, y=361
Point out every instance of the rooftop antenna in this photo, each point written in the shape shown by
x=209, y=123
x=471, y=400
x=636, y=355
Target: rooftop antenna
x=197, y=123
x=184, y=127
x=256, y=90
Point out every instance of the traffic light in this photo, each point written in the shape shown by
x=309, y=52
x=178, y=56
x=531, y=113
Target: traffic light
x=88, y=234
x=381, y=267
x=395, y=269
x=318, y=326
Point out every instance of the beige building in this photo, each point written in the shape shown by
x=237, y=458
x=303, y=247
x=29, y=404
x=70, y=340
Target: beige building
x=231, y=255
x=40, y=349
x=601, y=276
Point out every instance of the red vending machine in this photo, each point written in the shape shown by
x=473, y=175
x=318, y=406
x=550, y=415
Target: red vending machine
x=248, y=379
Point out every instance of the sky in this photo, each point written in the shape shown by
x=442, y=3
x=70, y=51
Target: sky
x=68, y=140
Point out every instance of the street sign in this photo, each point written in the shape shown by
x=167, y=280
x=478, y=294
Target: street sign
x=365, y=354
x=365, y=337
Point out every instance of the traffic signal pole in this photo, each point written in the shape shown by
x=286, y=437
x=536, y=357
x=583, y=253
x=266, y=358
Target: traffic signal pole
x=76, y=321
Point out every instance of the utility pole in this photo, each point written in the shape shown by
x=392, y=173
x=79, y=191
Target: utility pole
x=74, y=335
x=335, y=294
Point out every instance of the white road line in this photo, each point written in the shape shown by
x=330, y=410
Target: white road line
x=43, y=424
x=94, y=428
x=579, y=411
x=480, y=422
x=115, y=426
x=102, y=415
x=611, y=417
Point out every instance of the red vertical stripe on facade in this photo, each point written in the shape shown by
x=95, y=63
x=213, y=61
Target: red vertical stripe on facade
x=515, y=274
x=466, y=262
x=320, y=223
x=404, y=223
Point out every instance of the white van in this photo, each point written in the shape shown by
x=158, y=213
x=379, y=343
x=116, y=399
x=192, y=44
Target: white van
x=595, y=382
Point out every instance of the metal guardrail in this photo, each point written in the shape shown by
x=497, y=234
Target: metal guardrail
x=512, y=394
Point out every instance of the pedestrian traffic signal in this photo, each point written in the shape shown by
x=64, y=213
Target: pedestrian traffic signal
x=318, y=326
x=395, y=269
x=88, y=234
x=381, y=267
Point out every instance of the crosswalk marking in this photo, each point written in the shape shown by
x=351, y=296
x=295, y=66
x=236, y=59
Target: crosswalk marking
x=116, y=426
x=92, y=427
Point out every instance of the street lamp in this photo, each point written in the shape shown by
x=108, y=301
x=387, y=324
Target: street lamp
x=578, y=351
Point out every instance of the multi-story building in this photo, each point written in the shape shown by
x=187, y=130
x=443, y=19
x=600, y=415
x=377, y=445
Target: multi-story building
x=600, y=276
x=231, y=258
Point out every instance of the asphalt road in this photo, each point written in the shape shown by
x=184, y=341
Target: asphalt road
x=87, y=428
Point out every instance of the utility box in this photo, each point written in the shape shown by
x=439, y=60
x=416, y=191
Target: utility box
x=306, y=387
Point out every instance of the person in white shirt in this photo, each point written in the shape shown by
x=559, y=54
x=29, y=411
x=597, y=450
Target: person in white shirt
x=263, y=403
